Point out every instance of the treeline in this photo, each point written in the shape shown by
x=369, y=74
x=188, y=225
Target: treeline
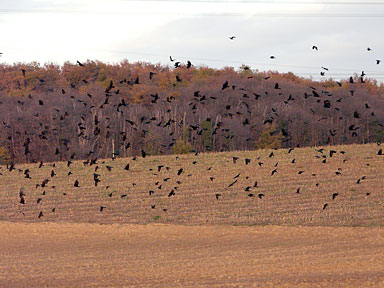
x=96, y=110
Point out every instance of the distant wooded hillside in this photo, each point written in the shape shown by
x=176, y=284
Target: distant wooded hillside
x=95, y=110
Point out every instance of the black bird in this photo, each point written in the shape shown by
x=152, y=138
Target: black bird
x=233, y=183
x=260, y=195
x=325, y=206
x=126, y=167
x=217, y=196
x=102, y=208
x=151, y=75
x=40, y=214
x=189, y=64
x=247, y=161
x=180, y=171
x=234, y=159
x=314, y=48
x=273, y=172
x=378, y=61
x=170, y=58
x=172, y=193
x=232, y=37
x=79, y=63
x=225, y=85
x=76, y=184
x=334, y=195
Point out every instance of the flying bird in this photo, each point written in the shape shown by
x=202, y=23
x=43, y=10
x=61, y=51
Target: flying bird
x=225, y=85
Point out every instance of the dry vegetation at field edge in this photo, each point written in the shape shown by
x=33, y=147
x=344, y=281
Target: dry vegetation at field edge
x=93, y=255
x=194, y=202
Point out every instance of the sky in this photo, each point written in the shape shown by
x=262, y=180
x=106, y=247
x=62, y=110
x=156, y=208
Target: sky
x=110, y=31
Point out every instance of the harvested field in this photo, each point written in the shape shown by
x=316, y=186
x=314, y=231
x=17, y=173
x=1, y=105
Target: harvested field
x=286, y=238
x=127, y=199
x=157, y=255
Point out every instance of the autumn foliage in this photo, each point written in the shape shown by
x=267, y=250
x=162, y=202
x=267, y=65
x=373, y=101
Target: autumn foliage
x=53, y=112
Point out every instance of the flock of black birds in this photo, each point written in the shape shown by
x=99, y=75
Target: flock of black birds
x=226, y=85
x=321, y=154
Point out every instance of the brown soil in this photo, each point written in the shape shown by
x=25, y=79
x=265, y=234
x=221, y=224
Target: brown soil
x=157, y=255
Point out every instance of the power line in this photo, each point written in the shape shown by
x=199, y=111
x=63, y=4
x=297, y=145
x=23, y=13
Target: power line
x=348, y=71
x=219, y=14
x=261, y=2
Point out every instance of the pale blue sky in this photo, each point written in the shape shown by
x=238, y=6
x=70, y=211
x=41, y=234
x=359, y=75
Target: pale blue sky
x=110, y=31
